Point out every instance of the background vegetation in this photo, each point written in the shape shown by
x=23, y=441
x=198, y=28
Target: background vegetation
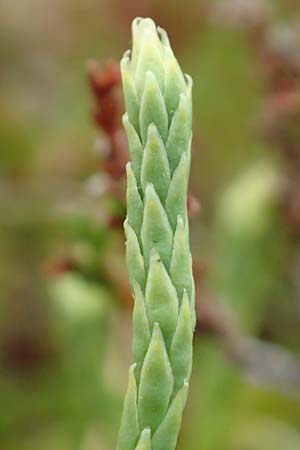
x=65, y=306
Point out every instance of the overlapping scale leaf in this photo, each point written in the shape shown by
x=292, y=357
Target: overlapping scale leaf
x=146, y=52
x=129, y=429
x=145, y=440
x=150, y=59
x=175, y=83
x=132, y=102
x=156, y=231
x=156, y=383
x=134, y=258
x=134, y=202
x=176, y=201
x=166, y=435
x=159, y=286
x=155, y=166
x=181, y=347
x=179, y=133
x=135, y=147
x=137, y=26
x=141, y=331
x=163, y=37
x=181, y=257
x=153, y=108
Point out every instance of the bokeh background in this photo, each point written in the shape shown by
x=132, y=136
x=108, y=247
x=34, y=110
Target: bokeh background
x=65, y=305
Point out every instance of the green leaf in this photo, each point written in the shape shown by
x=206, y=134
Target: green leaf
x=135, y=147
x=161, y=298
x=134, y=202
x=155, y=165
x=153, y=108
x=166, y=435
x=179, y=133
x=132, y=102
x=144, y=31
x=150, y=59
x=181, y=352
x=141, y=332
x=176, y=201
x=137, y=41
x=181, y=271
x=163, y=36
x=175, y=83
x=145, y=440
x=156, y=383
x=134, y=259
x=129, y=429
x=156, y=231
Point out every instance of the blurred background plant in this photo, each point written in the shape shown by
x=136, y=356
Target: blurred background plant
x=64, y=297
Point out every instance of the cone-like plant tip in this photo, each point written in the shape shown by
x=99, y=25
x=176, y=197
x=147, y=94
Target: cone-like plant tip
x=158, y=122
x=143, y=31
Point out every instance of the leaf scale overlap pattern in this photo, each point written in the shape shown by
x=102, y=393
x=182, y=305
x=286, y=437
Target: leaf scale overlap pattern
x=158, y=125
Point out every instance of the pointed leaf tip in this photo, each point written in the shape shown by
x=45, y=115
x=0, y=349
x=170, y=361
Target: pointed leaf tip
x=156, y=382
x=134, y=258
x=135, y=147
x=167, y=434
x=129, y=429
x=141, y=332
x=161, y=298
x=153, y=108
x=145, y=440
x=132, y=102
x=181, y=257
x=181, y=348
x=156, y=231
x=134, y=202
x=176, y=201
x=155, y=166
x=179, y=132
